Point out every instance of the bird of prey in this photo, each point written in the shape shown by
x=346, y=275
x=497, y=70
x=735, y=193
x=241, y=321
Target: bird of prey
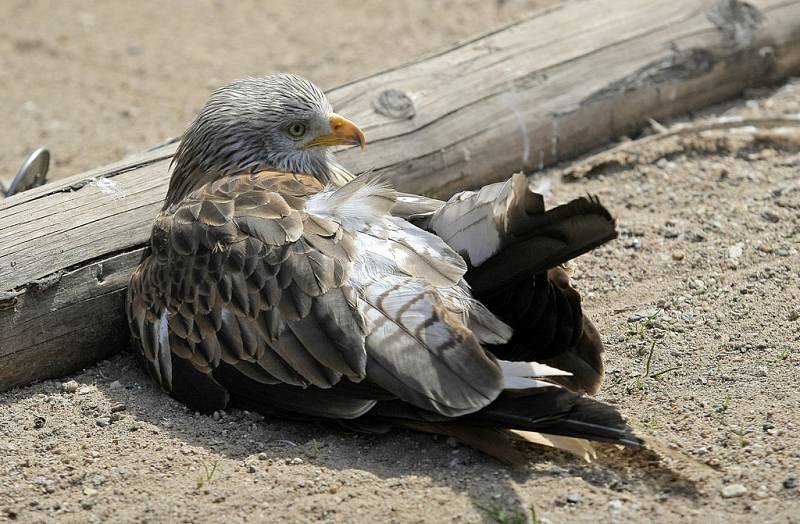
x=277, y=281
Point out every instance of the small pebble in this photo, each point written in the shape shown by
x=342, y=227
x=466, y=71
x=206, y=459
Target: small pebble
x=262, y=456
x=48, y=485
x=696, y=283
x=453, y=443
x=671, y=232
x=115, y=385
x=794, y=314
x=643, y=314
x=89, y=492
x=70, y=387
x=735, y=251
x=295, y=461
x=83, y=390
x=766, y=153
x=765, y=248
x=615, y=505
x=732, y=491
x=116, y=408
x=719, y=170
x=790, y=482
x=678, y=255
x=632, y=243
x=102, y=421
x=761, y=494
x=695, y=236
x=573, y=498
x=770, y=216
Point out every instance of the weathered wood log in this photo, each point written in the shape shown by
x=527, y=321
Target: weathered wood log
x=541, y=90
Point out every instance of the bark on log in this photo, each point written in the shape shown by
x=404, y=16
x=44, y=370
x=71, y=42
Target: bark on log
x=543, y=89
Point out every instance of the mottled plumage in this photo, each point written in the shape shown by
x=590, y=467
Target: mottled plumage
x=277, y=282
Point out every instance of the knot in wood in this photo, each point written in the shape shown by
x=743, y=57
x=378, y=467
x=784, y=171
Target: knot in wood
x=394, y=104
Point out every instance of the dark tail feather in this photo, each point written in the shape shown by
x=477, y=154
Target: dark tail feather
x=556, y=411
x=525, y=287
x=550, y=416
x=547, y=240
x=584, y=360
x=515, y=248
x=546, y=316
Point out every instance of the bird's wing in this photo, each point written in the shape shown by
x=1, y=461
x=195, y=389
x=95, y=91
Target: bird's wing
x=240, y=274
x=420, y=342
x=253, y=283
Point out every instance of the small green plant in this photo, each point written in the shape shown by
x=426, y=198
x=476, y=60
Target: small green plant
x=208, y=475
x=313, y=449
x=501, y=516
x=726, y=403
x=742, y=441
x=783, y=355
x=640, y=381
x=534, y=516
x=641, y=327
x=650, y=423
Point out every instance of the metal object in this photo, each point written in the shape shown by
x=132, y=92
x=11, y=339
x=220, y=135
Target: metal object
x=33, y=173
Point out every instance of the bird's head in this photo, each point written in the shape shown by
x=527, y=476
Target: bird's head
x=281, y=122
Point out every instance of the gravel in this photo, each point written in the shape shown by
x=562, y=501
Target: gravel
x=733, y=491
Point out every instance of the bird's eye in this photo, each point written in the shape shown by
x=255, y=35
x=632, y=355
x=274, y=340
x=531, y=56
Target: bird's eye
x=296, y=130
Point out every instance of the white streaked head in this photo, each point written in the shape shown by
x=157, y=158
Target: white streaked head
x=282, y=122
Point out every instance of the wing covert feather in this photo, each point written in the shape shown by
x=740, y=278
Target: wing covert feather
x=240, y=259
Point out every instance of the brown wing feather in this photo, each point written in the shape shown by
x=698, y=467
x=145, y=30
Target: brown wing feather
x=233, y=265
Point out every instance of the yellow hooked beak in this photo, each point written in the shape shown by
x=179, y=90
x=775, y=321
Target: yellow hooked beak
x=343, y=132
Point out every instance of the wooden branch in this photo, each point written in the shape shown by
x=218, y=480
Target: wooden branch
x=538, y=91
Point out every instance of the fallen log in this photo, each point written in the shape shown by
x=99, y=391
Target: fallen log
x=541, y=90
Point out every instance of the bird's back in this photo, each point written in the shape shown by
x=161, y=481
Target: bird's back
x=269, y=279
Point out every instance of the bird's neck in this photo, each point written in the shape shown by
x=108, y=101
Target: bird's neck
x=189, y=175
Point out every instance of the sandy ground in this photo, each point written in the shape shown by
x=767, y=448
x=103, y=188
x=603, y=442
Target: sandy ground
x=702, y=284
